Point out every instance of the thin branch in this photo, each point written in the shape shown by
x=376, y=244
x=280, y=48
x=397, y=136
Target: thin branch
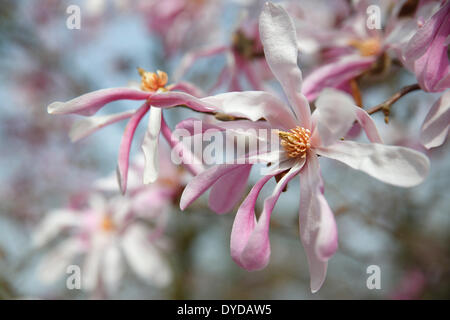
x=386, y=105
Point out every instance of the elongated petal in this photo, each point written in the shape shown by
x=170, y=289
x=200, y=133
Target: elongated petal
x=87, y=126
x=89, y=103
x=318, y=231
x=368, y=125
x=202, y=182
x=54, y=223
x=421, y=41
x=254, y=253
x=113, y=268
x=398, y=166
x=150, y=146
x=125, y=146
x=435, y=127
x=54, y=263
x=144, y=258
x=229, y=189
x=279, y=39
x=254, y=105
x=173, y=99
x=334, y=74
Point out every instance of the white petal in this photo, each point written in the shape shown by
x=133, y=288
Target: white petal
x=87, y=126
x=398, y=166
x=150, y=146
x=334, y=114
x=55, y=222
x=144, y=258
x=112, y=268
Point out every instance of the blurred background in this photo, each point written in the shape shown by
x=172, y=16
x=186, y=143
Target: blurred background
x=403, y=231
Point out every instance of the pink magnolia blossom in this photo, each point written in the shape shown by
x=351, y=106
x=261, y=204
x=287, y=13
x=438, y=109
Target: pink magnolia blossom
x=245, y=59
x=304, y=137
x=108, y=239
x=181, y=24
x=354, y=48
x=155, y=95
x=426, y=52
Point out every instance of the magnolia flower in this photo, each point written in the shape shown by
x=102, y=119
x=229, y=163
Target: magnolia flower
x=181, y=24
x=245, y=59
x=426, y=52
x=107, y=239
x=355, y=49
x=303, y=138
x=154, y=91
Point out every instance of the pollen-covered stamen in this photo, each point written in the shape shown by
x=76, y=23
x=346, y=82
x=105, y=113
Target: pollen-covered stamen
x=367, y=47
x=153, y=81
x=295, y=142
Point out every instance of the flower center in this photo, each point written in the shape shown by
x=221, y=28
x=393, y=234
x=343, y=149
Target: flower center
x=153, y=81
x=296, y=141
x=367, y=47
x=107, y=224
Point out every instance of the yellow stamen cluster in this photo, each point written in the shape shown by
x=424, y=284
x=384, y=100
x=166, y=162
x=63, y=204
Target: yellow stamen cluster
x=368, y=47
x=153, y=81
x=296, y=141
x=107, y=224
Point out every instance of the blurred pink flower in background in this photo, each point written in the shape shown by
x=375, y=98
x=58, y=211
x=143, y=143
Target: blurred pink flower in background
x=105, y=234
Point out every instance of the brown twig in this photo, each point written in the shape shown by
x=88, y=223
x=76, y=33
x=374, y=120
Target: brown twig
x=385, y=107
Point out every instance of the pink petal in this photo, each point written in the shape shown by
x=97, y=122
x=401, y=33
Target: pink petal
x=188, y=88
x=125, y=145
x=435, y=127
x=250, y=243
x=89, y=103
x=229, y=189
x=202, y=182
x=398, y=166
x=173, y=99
x=334, y=74
x=279, y=39
x=87, y=126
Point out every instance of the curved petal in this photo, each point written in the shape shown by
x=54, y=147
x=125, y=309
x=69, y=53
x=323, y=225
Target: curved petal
x=172, y=99
x=279, y=40
x=53, y=224
x=334, y=116
x=188, y=88
x=87, y=126
x=318, y=231
x=398, y=166
x=228, y=189
x=334, y=74
x=125, y=146
x=89, y=103
x=254, y=253
x=435, y=126
x=150, y=146
x=254, y=105
x=202, y=182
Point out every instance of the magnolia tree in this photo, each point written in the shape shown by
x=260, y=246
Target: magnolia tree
x=291, y=94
